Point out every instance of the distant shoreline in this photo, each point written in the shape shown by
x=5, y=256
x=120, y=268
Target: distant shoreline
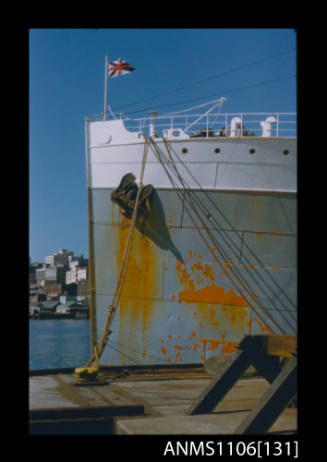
x=59, y=316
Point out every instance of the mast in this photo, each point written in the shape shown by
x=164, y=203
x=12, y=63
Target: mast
x=105, y=88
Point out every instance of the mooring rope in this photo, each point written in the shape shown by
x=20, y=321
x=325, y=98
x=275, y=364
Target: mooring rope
x=99, y=347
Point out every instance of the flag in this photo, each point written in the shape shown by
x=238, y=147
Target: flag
x=119, y=67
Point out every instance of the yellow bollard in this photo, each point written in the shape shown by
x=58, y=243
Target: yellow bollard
x=87, y=373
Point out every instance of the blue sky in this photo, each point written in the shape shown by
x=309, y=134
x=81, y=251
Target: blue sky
x=66, y=84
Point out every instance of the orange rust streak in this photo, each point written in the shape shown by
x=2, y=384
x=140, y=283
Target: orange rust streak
x=198, y=265
x=140, y=286
x=212, y=294
x=209, y=294
x=209, y=273
x=228, y=346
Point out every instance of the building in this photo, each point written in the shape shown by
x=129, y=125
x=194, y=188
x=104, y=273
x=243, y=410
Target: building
x=48, y=306
x=62, y=273
x=76, y=309
x=60, y=258
x=54, y=273
x=76, y=274
x=32, y=272
x=36, y=296
x=52, y=288
x=83, y=288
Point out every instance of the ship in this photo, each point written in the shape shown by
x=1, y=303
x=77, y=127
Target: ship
x=212, y=201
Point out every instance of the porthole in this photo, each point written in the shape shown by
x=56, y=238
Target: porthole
x=217, y=150
x=252, y=151
x=286, y=152
x=184, y=150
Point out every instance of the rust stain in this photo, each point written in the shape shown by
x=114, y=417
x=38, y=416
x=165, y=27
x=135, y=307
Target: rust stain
x=178, y=347
x=141, y=285
x=198, y=265
x=208, y=344
x=216, y=307
x=209, y=273
x=212, y=294
x=164, y=350
x=192, y=336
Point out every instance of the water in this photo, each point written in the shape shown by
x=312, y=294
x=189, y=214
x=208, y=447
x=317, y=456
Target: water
x=57, y=343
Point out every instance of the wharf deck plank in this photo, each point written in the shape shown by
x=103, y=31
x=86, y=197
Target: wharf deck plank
x=171, y=400
x=205, y=424
x=135, y=403
x=58, y=391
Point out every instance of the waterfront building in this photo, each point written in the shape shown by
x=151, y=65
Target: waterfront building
x=76, y=274
x=55, y=273
x=52, y=288
x=62, y=257
x=32, y=272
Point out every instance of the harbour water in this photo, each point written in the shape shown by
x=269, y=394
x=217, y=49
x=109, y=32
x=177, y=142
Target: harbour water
x=58, y=343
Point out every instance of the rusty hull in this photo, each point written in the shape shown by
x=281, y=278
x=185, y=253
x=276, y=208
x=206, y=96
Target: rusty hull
x=180, y=304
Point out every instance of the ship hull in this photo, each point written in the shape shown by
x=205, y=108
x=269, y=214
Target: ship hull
x=208, y=264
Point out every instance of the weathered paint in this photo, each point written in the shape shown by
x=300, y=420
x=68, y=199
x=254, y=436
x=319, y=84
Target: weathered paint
x=166, y=294
x=136, y=307
x=210, y=293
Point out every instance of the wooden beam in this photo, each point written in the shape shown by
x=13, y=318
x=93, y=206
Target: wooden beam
x=281, y=345
x=221, y=384
x=273, y=402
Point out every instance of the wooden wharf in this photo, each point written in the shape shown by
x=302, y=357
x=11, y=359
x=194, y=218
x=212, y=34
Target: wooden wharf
x=175, y=399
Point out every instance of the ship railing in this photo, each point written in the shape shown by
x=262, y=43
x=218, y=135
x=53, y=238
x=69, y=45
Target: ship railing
x=260, y=124
x=222, y=124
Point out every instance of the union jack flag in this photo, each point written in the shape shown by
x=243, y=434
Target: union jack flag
x=119, y=67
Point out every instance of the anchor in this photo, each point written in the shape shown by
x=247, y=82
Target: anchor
x=125, y=194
